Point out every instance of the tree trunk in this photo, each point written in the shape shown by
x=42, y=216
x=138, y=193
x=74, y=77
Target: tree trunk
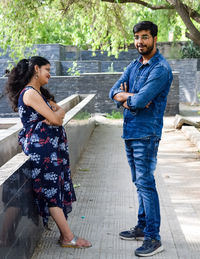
x=181, y=9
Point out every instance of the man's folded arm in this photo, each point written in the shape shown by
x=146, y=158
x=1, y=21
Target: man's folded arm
x=155, y=84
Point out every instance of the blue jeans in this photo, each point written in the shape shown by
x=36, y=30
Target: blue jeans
x=142, y=158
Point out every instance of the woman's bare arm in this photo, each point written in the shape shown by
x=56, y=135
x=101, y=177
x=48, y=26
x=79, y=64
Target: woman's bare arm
x=34, y=100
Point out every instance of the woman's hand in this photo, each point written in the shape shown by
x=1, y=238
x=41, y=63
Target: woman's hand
x=61, y=113
x=47, y=122
x=58, y=110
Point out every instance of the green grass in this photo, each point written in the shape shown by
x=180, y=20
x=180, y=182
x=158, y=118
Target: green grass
x=114, y=115
x=84, y=169
x=82, y=116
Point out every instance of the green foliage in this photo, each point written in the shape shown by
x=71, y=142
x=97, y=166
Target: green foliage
x=114, y=115
x=83, y=23
x=84, y=115
x=194, y=4
x=73, y=71
x=198, y=111
x=16, y=19
x=190, y=50
x=177, y=32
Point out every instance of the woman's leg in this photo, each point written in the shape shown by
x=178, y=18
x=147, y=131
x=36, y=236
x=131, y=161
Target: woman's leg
x=59, y=217
x=66, y=233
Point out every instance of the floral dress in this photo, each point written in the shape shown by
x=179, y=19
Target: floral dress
x=48, y=151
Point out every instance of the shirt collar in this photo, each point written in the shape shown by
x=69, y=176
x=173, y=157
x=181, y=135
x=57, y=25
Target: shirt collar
x=150, y=60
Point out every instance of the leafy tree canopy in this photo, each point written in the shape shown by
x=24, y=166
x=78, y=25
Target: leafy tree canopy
x=99, y=24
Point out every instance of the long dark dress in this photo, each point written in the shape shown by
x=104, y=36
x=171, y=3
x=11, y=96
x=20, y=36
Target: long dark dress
x=48, y=151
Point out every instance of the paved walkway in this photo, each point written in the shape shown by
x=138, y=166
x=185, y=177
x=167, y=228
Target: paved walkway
x=107, y=200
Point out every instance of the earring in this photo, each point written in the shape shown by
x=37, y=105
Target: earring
x=36, y=75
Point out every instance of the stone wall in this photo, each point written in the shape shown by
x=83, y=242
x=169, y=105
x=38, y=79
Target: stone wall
x=69, y=60
x=5, y=106
x=62, y=58
x=99, y=84
x=189, y=83
x=187, y=68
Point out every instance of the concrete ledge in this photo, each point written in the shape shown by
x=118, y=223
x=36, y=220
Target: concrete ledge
x=9, y=146
x=70, y=114
x=6, y=123
x=9, y=138
x=11, y=166
x=78, y=133
x=69, y=102
x=193, y=134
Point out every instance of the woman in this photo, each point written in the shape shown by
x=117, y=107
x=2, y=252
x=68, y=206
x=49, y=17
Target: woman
x=44, y=140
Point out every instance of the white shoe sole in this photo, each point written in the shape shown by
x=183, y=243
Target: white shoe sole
x=160, y=249
x=131, y=239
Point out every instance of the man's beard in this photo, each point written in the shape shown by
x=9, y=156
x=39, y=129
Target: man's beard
x=148, y=51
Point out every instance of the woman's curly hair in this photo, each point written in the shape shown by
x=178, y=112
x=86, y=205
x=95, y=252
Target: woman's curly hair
x=21, y=75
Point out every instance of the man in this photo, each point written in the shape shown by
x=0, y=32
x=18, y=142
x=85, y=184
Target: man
x=142, y=90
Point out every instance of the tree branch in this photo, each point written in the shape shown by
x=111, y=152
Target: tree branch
x=191, y=12
x=190, y=36
x=140, y=2
x=185, y=13
x=194, y=14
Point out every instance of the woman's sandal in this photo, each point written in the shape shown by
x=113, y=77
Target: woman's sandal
x=73, y=244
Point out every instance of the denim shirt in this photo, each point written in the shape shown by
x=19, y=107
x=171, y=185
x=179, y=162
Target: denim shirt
x=149, y=82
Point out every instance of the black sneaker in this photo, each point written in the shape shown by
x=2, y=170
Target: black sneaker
x=149, y=248
x=135, y=233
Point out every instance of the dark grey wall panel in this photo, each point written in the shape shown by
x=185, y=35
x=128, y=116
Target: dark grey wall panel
x=100, y=84
x=63, y=58
x=20, y=225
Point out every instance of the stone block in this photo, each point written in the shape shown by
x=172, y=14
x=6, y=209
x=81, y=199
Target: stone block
x=71, y=56
x=50, y=51
x=71, y=67
x=56, y=69
x=131, y=54
x=95, y=55
x=120, y=66
x=179, y=121
x=99, y=83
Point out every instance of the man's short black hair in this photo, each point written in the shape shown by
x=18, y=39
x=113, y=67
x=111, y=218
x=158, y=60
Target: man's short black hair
x=146, y=25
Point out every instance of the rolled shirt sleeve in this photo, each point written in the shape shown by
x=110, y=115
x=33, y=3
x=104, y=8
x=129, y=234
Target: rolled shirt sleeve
x=116, y=91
